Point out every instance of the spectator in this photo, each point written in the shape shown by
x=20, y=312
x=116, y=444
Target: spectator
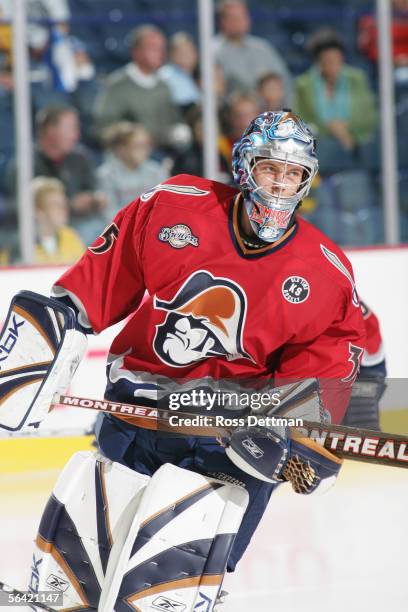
x=58, y=154
x=178, y=74
x=136, y=93
x=6, y=77
x=58, y=62
x=191, y=161
x=334, y=97
x=245, y=58
x=236, y=115
x=56, y=242
x=336, y=100
x=239, y=112
x=368, y=39
x=271, y=92
x=220, y=88
x=128, y=171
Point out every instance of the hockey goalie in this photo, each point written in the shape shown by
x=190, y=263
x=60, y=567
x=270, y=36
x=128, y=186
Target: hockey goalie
x=240, y=288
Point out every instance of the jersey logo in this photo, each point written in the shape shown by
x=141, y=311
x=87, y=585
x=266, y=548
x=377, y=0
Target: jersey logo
x=335, y=261
x=109, y=235
x=205, y=319
x=295, y=289
x=356, y=354
x=178, y=236
x=180, y=189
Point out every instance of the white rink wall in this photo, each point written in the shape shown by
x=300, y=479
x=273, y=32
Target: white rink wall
x=382, y=280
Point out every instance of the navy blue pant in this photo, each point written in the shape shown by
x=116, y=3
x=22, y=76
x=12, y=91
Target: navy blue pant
x=145, y=451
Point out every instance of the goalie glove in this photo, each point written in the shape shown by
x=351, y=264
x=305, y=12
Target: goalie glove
x=310, y=467
x=265, y=454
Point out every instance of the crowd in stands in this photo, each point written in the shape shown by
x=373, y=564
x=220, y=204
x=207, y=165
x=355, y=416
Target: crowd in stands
x=103, y=137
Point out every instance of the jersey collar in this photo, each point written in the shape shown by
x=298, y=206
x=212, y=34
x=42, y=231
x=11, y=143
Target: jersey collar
x=243, y=251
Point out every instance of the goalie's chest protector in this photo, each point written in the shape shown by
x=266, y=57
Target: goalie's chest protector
x=216, y=308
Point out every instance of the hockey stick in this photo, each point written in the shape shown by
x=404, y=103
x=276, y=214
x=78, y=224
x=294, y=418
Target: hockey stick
x=347, y=442
x=26, y=598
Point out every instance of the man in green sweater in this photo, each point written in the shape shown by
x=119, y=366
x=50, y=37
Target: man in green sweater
x=136, y=93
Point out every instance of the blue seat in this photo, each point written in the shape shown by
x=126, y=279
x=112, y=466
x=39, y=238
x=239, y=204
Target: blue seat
x=348, y=210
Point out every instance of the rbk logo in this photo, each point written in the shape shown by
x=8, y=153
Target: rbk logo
x=252, y=448
x=170, y=605
x=55, y=582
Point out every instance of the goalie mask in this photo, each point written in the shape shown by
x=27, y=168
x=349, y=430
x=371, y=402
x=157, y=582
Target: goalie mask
x=283, y=139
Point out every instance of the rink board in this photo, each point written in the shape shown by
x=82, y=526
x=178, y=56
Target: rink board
x=344, y=550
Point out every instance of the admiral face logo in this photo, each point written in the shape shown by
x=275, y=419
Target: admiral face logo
x=204, y=319
x=178, y=236
x=295, y=289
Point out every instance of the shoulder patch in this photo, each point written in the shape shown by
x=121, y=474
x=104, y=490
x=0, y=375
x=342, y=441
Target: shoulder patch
x=295, y=289
x=178, y=236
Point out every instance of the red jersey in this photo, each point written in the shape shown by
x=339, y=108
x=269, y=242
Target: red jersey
x=217, y=308
x=368, y=37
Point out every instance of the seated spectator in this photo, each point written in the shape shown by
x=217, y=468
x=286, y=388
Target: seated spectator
x=271, y=92
x=335, y=99
x=219, y=84
x=178, y=73
x=242, y=57
x=136, y=92
x=59, y=65
x=128, y=170
x=238, y=114
x=56, y=242
x=6, y=75
x=368, y=39
x=191, y=160
x=58, y=154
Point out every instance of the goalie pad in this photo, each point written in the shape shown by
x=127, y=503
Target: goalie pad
x=40, y=350
x=93, y=502
x=156, y=542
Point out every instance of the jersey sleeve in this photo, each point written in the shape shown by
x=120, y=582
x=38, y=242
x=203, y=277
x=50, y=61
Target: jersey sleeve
x=107, y=284
x=333, y=357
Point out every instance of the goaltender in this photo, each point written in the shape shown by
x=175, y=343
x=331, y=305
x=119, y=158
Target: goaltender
x=239, y=287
